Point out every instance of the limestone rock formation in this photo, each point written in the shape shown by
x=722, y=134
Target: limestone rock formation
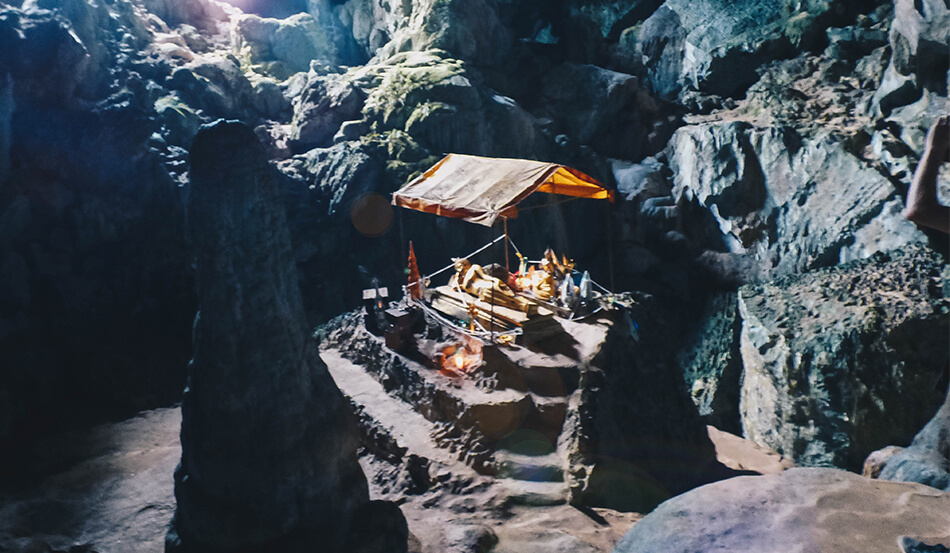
x=268, y=445
x=791, y=202
x=282, y=47
x=796, y=510
x=918, y=39
x=712, y=364
x=840, y=362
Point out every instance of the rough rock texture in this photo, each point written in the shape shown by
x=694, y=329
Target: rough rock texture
x=281, y=47
x=797, y=510
x=790, y=202
x=918, y=38
x=927, y=459
x=841, y=362
x=632, y=435
x=712, y=364
x=94, y=285
x=268, y=446
x=436, y=99
x=468, y=29
x=715, y=46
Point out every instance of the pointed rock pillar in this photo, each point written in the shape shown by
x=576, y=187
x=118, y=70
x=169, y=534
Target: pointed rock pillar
x=268, y=442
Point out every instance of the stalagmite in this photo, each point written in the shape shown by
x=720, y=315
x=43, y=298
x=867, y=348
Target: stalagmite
x=268, y=443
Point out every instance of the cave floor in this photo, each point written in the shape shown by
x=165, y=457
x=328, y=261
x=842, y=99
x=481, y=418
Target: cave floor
x=112, y=490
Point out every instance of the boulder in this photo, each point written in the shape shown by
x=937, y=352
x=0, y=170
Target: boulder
x=215, y=84
x=203, y=14
x=840, y=362
x=321, y=109
x=45, y=59
x=268, y=443
x=604, y=109
x=927, y=459
x=918, y=38
x=611, y=17
x=797, y=510
x=792, y=202
x=92, y=25
x=468, y=29
x=321, y=196
x=281, y=47
x=436, y=100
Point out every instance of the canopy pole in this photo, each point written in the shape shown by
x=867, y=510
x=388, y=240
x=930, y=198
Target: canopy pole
x=610, y=248
x=507, y=241
x=491, y=324
x=402, y=235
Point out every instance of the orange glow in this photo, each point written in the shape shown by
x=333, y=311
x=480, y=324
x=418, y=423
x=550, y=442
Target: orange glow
x=462, y=359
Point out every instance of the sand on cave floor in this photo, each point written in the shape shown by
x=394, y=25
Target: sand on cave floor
x=113, y=490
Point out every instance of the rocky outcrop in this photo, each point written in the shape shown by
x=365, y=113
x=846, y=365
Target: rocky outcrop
x=319, y=112
x=715, y=47
x=604, y=109
x=438, y=101
x=467, y=29
x=281, y=47
x=918, y=39
x=268, y=445
x=799, y=509
x=840, y=362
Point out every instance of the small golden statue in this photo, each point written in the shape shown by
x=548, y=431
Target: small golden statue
x=559, y=269
x=472, y=279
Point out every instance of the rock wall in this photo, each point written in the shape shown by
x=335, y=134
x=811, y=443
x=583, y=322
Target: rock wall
x=93, y=268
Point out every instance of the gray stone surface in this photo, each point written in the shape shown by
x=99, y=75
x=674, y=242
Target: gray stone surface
x=918, y=38
x=798, y=510
x=840, y=362
x=793, y=202
x=632, y=436
x=268, y=445
x=927, y=459
x=715, y=46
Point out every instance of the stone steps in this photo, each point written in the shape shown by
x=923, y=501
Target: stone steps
x=538, y=494
x=534, y=468
x=396, y=426
x=471, y=419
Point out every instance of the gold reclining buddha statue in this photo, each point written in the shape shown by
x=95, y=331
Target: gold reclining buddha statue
x=472, y=279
